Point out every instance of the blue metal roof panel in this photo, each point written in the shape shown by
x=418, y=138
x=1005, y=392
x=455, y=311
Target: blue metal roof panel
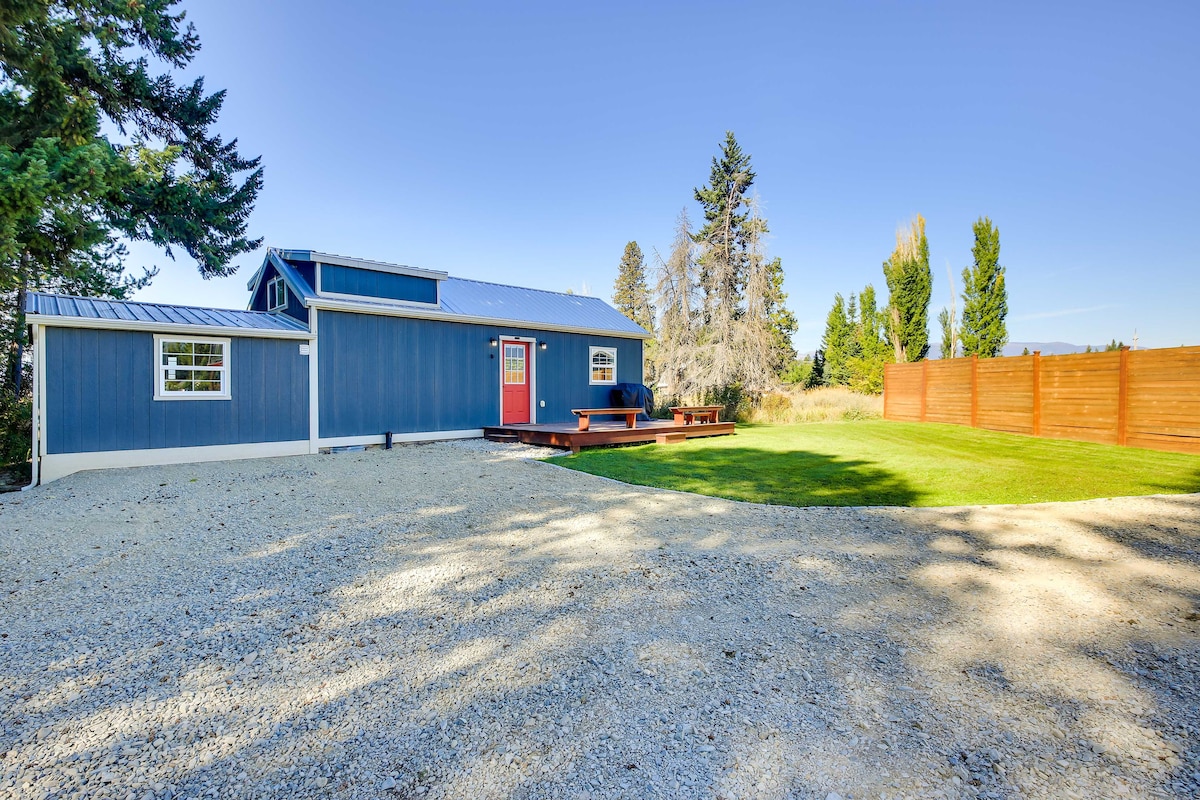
x=533, y=306
x=40, y=303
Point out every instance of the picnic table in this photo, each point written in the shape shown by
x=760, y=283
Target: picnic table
x=689, y=415
x=585, y=414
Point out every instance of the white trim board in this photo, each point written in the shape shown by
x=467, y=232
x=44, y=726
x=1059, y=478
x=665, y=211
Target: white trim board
x=422, y=436
x=54, y=320
x=388, y=310
x=58, y=465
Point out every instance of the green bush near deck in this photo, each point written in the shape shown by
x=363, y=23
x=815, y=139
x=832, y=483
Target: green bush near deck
x=874, y=462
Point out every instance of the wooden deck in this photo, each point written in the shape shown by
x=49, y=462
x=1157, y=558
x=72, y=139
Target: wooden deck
x=568, y=435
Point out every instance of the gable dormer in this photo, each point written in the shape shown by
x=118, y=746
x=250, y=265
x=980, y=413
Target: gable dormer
x=360, y=279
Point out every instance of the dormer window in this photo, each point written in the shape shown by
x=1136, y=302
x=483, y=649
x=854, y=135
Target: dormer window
x=276, y=294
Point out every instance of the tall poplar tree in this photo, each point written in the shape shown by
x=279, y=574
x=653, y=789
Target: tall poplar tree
x=983, y=331
x=910, y=287
x=70, y=70
x=676, y=358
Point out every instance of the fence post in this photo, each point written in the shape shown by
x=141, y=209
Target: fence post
x=924, y=387
x=1037, y=392
x=974, y=390
x=1123, y=398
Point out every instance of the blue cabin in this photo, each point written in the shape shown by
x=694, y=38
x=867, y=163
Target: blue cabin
x=332, y=351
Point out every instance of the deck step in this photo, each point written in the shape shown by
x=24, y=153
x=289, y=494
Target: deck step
x=670, y=438
x=498, y=436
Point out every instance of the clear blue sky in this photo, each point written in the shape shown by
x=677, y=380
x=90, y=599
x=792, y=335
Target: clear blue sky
x=527, y=143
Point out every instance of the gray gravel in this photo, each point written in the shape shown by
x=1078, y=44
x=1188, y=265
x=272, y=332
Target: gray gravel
x=455, y=621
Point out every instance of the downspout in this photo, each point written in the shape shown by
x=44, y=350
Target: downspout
x=35, y=344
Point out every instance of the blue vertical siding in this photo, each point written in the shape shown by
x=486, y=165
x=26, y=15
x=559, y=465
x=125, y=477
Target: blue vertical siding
x=404, y=375
x=369, y=283
x=100, y=395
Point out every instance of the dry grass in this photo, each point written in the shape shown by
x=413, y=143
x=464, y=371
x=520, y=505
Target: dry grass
x=831, y=404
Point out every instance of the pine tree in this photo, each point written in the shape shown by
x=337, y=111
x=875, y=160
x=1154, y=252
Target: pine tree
x=910, y=286
x=783, y=321
x=835, y=344
x=985, y=298
x=723, y=236
x=816, y=377
x=1114, y=346
x=630, y=295
x=70, y=72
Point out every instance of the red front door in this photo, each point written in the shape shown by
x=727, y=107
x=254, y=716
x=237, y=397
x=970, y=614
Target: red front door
x=515, y=394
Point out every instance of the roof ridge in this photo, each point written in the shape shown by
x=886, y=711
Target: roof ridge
x=149, y=303
x=528, y=288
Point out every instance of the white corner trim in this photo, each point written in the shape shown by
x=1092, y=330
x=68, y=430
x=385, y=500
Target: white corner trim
x=422, y=436
x=164, y=327
x=314, y=382
x=388, y=310
x=58, y=465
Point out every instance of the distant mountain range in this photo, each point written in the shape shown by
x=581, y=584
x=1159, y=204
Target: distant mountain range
x=1047, y=348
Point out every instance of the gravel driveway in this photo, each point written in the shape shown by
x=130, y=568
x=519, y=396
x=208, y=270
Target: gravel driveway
x=455, y=621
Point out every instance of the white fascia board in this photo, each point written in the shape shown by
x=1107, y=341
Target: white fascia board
x=329, y=304
x=58, y=465
x=252, y=284
x=52, y=320
x=362, y=263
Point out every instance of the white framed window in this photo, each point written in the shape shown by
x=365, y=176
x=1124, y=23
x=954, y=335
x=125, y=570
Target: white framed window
x=276, y=294
x=603, y=364
x=191, y=368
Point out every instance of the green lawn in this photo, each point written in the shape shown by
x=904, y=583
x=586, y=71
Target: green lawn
x=892, y=463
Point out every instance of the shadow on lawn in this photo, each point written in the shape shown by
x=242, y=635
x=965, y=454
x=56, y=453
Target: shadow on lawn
x=793, y=478
x=845, y=650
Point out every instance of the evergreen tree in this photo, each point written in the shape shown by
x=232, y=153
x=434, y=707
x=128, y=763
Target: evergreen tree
x=723, y=237
x=910, y=286
x=630, y=295
x=783, y=321
x=835, y=344
x=869, y=351
x=985, y=298
x=1114, y=346
x=1025, y=351
x=816, y=376
x=68, y=71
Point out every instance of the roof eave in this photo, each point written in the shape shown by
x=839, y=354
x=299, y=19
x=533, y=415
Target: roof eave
x=60, y=321
x=329, y=304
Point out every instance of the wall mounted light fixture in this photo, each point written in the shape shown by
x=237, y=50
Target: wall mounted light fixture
x=542, y=345
x=492, y=341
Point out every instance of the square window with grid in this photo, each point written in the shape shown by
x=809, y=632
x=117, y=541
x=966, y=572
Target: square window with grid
x=192, y=368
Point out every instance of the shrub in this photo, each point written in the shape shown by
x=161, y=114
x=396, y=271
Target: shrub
x=16, y=428
x=829, y=404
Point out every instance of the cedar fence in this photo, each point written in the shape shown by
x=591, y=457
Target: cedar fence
x=1141, y=398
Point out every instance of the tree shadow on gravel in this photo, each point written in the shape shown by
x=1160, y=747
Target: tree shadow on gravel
x=387, y=634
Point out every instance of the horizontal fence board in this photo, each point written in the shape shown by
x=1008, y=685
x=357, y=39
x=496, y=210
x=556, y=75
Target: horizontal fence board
x=1077, y=396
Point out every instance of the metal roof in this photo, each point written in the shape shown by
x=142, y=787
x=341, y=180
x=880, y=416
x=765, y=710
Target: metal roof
x=58, y=305
x=533, y=306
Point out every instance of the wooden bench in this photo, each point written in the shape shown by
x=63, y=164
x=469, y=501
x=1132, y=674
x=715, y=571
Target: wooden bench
x=584, y=414
x=688, y=415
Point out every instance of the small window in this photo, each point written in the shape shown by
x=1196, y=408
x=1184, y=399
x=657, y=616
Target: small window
x=603, y=364
x=514, y=364
x=276, y=294
x=191, y=369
